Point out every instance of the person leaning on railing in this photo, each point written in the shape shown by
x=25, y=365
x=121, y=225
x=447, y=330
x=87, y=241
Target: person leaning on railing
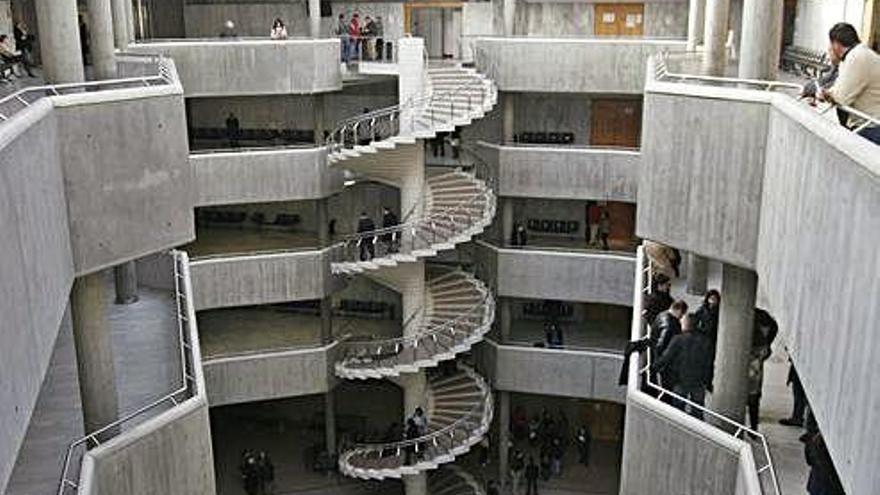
x=858, y=82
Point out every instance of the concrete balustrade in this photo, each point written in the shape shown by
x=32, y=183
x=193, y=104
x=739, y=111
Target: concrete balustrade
x=238, y=67
x=569, y=65
x=256, y=176
x=564, y=172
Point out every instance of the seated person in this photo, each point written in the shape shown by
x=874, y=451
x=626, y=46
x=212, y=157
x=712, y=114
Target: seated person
x=8, y=53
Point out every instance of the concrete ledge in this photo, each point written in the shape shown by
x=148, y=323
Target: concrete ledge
x=569, y=65
x=257, y=176
x=252, y=67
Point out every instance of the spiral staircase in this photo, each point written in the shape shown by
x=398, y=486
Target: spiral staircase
x=456, y=308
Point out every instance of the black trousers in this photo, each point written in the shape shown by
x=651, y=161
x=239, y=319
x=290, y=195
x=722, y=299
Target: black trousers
x=753, y=406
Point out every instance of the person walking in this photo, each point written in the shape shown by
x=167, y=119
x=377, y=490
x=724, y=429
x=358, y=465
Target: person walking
x=532, y=473
x=389, y=220
x=279, y=30
x=799, y=406
x=688, y=361
x=604, y=229
x=367, y=248
x=24, y=43
x=379, y=32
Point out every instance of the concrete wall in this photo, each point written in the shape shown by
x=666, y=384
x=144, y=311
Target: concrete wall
x=584, y=277
x=268, y=375
x=825, y=276
x=127, y=180
x=567, y=173
x=579, y=374
x=261, y=279
x=36, y=266
x=815, y=17
x=252, y=67
x=263, y=176
x=702, y=168
x=662, y=18
x=592, y=65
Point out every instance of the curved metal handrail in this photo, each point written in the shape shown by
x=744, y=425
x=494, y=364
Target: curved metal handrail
x=366, y=449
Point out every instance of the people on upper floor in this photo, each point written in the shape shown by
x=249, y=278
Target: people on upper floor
x=354, y=36
x=341, y=32
x=707, y=315
x=658, y=300
x=687, y=364
x=366, y=34
x=367, y=249
x=858, y=81
x=379, y=32
x=667, y=326
x=11, y=56
x=604, y=228
x=279, y=30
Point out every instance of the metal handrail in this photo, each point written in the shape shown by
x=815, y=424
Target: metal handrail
x=485, y=404
x=187, y=389
x=21, y=99
x=740, y=430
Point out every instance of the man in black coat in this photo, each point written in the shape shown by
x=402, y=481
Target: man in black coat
x=389, y=219
x=688, y=360
x=666, y=326
x=367, y=249
x=658, y=300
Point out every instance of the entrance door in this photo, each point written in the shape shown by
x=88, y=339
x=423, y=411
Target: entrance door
x=438, y=22
x=616, y=122
x=619, y=19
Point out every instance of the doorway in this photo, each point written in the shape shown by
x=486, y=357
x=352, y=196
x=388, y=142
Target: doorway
x=616, y=122
x=439, y=24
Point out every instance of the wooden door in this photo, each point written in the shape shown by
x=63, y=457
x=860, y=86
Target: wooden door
x=619, y=19
x=616, y=123
x=623, y=225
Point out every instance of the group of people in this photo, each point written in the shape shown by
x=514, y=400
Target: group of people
x=16, y=53
x=546, y=437
x=598, y=225
x=257, y=473
x=390, y=238
x=361, y=41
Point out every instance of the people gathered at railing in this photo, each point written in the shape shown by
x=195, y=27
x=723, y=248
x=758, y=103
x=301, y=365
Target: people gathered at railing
x=257, y=473
x=362, y=41
x=17, y=55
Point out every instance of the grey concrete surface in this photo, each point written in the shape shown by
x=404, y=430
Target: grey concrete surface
x=263, y=176
x=261, y=279
x=700, y=189
x=37, y=268
x=590, y=65
x=826, y=277
x=268, y=375
x=127, y=179
x=579, y=374
x=252, y=67
x=566, y=172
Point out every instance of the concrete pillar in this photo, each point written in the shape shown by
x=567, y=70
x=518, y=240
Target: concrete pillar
x=101, y=39
x=121, y=23
x=132, y=30
x=509, y=16
x=326, y=320
x=315, y=18
x=329, y=422
x=323, y=220
x=416, y=484
x=503, y=416
x=410, y=80
x=94, y=352
x=696, y=24
x=59, y=41
x=506, y=220
x=697, y=274
x=318, y=104
x=505, y=318
x=738, y=288
x=761, y=39
x=508, y=114
x=412, y=188
x=414, y=384
x=714, y=53
x=125, y=281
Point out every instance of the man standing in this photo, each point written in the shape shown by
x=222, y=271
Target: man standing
x=389, y=220
x=667, y=326
x=378, y=32
x=233, y=127
x=24, y=42
x=342, y=33
x=858, y=82
x=367, y=249
x=532, y=473
x=689, y=360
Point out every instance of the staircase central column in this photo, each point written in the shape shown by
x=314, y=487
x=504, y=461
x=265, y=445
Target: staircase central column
x=412, y=284
x=411, y=81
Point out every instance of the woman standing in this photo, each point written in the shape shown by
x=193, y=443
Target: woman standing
x=279, y=30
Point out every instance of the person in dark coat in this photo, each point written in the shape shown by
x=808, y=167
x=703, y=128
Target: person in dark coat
x=412, y=432
x=532, y=473
x=266, y=471
x=800, y=399
x=250, y=473
x=689, y=361
x=658, y=300
x=367, y=248
x=389, y=220
x=667, y=326
x=519, y=237
x=24, y=42
x=233, y=129
x=583, y=439
x=707, y=315
x=823, y=479
x=764, y=331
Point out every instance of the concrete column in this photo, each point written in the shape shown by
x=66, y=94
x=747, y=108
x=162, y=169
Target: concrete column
x=125, y=281
x=326, y=320
x=738, y=288
x=697, y=274
x=714, y=54
x=506, y=220
x=323, y=219
x=132, y=30
x=508, y=114
x=412, y=188
x=509, y=16
x=101, y=39
x=411, y=78
x=505, y=318
x=503, y=416
x=94, y=352
x=761, y=39
x=59, y=41
x=315, y=18
x=318, y=104
x=414, y=388
x=120, y=23
x=330, y=422
x=696, y=24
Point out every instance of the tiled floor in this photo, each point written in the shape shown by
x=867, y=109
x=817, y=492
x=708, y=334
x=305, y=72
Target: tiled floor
x=231, y=240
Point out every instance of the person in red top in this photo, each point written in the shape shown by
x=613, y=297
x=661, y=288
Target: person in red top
x=354, y=34
x=594, y=214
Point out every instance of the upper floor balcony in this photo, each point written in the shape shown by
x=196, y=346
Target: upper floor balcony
x=251, y=66
x=569, y=65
